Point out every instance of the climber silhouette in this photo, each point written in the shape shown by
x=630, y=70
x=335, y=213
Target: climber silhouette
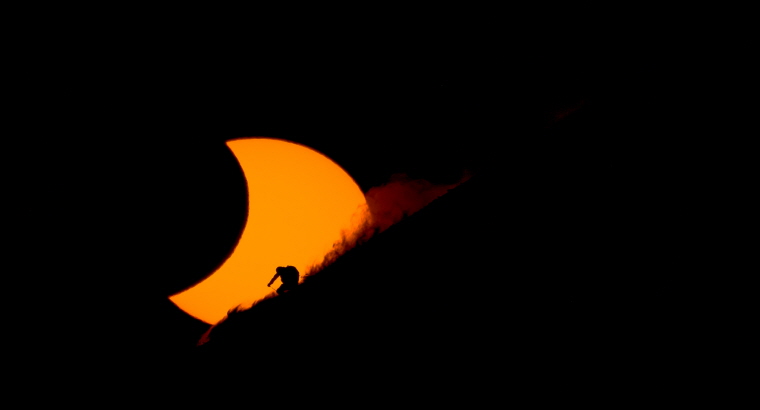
x=288, y=275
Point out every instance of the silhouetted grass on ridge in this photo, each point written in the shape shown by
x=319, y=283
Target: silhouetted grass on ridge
x=391, y=276
x=341, y=277
x=471, y=280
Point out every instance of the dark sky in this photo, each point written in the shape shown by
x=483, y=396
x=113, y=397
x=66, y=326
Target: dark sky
x=154, y=200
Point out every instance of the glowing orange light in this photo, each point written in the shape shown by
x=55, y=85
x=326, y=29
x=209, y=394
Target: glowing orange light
x=300, y=203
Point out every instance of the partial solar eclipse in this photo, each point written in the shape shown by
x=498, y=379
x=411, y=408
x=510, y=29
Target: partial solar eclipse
x=300, y=203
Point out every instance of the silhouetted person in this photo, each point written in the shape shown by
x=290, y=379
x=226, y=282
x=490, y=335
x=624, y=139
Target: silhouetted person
x=289, y=277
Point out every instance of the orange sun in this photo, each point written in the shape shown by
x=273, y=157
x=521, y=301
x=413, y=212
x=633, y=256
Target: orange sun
x=300, y=203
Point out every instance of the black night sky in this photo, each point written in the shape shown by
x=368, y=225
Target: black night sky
x=561, y=223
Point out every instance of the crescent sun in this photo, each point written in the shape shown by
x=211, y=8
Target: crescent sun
x=300, y=204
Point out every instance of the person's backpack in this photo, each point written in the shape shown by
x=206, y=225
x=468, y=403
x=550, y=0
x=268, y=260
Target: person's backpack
x=289, y=275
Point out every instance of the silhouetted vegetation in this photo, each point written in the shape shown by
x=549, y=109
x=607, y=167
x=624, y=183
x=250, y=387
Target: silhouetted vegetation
x=536, y=276
x=435, y=298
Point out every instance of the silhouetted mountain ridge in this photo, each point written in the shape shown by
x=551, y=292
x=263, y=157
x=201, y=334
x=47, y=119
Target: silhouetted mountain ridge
x=476, y=278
